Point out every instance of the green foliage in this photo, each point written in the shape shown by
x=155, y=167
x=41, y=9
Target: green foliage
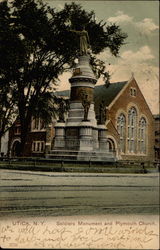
x=101, y=35
x=7, y=112
x=7, y=59
x=48, y=107
x=99, y=69
x=37, y=45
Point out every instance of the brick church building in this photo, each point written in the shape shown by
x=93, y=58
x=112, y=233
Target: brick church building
x=130, y=124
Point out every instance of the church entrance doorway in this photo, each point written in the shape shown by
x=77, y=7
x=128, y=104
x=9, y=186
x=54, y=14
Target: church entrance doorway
x=15, y=151
x=111, y=145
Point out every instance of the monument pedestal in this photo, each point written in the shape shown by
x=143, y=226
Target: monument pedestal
x=85, y=136
x=102, y=138
x=59, y=142
x=48, y=139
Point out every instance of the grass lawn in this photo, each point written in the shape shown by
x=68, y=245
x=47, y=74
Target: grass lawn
x=86, y=167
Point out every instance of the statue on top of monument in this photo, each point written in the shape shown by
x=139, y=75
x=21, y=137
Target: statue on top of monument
x=84, y=40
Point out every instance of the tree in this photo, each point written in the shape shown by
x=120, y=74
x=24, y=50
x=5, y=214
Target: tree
x=8, y=108
x=7, y=111
x=48, y=107
x=40, y=47
x=8, y=93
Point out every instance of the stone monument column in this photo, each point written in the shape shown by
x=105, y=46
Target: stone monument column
x=81, y=105
x=82, y=86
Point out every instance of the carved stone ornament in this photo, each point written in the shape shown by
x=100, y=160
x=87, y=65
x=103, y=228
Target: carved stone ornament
x=82, y=79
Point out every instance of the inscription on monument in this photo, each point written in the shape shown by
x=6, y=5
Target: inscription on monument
x=72, y=132
x=78, y=92
x=76, y=72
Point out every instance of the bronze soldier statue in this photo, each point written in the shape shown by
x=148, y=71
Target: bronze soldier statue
x=84, y=41
x=61, y=111
x=86, y=105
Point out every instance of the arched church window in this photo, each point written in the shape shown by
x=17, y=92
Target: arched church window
x=132, y=131
x=37, y=124
x=142, y=136
x=121, y=127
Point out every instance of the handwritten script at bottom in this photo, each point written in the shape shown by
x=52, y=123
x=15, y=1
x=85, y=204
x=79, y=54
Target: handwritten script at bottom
x=69, y=233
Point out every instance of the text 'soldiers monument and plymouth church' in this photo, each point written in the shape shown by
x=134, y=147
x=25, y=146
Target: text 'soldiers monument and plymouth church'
x=80, y=137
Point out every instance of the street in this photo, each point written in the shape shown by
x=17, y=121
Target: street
x=26, y=193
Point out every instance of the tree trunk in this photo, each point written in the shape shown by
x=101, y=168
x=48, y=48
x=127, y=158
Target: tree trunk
x=23, y=141
x=24, y=134
x=1, y=135
x=25, y=120
x=0, y=145
x=25, y=114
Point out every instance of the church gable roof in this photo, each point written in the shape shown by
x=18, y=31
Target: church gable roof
x=107, y=94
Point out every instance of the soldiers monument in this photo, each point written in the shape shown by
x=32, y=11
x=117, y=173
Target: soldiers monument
x=79, y=137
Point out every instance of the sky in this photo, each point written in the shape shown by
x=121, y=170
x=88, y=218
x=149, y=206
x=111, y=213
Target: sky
x=140, y=55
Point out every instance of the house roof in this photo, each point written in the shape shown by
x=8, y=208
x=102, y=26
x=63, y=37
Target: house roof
x=101, y=92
